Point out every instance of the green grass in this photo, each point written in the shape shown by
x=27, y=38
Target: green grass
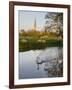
x=33, y=44
x=33, y=40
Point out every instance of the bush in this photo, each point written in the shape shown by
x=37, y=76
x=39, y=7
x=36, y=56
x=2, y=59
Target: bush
x=33, y=44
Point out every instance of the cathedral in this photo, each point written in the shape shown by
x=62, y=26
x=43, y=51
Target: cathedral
x=34, y=25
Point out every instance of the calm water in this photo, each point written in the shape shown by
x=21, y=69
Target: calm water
x=35, y=63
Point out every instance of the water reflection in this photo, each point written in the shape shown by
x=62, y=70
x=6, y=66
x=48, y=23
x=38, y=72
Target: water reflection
x=41, y=63
x=53, y=61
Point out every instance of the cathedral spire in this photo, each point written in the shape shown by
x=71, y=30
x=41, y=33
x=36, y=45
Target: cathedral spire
x=34, y=25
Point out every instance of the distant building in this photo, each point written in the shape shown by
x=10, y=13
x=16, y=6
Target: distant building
x=21, y=31
x=34, y=25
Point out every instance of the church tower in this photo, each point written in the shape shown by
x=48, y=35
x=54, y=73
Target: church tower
x=34, y=25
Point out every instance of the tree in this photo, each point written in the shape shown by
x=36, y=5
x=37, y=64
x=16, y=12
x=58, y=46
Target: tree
x=54, y=20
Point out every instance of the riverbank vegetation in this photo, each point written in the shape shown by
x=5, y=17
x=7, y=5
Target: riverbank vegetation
x=33, y=40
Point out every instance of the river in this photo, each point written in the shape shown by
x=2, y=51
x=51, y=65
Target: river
x=38, y=63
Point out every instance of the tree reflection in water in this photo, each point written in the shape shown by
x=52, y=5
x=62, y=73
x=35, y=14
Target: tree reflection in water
x=52, y=60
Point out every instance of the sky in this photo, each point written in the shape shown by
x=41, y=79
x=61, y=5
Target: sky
x=26, y=19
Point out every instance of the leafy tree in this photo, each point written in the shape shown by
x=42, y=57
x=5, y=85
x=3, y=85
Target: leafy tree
x=54, y=20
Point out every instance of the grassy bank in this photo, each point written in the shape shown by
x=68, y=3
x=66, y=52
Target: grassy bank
x=25, y=45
